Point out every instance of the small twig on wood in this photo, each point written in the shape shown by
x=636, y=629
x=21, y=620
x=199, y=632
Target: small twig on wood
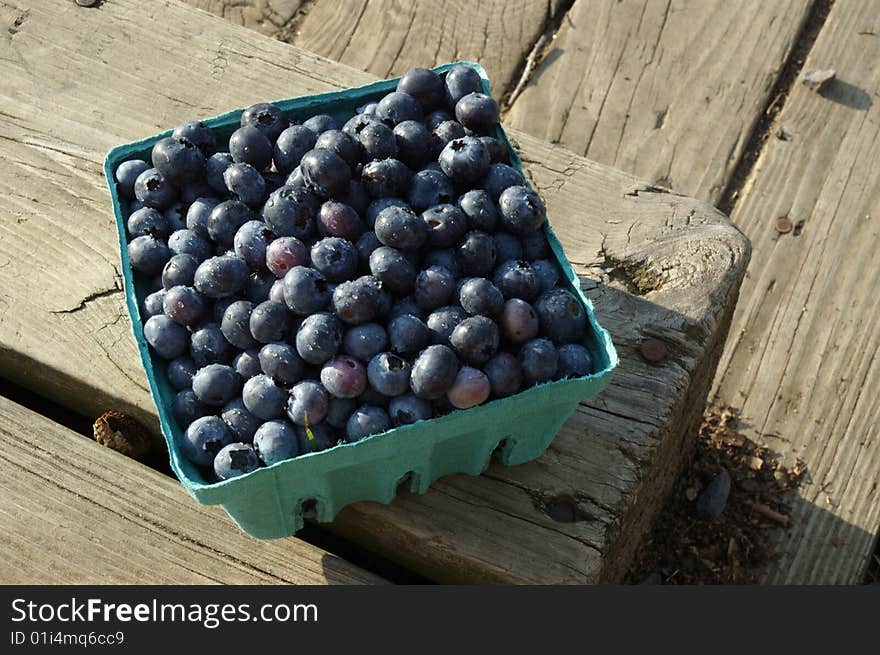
x=531, y=64
x=770, y=513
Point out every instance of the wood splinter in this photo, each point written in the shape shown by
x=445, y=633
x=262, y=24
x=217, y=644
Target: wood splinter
x=770, y=513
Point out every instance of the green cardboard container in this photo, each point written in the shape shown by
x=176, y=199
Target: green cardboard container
x=268, y=503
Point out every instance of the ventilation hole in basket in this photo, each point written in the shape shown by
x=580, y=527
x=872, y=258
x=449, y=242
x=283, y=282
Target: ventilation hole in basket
x=563, y=509
x=404, y=482
x=309, y=508
x=500, y=447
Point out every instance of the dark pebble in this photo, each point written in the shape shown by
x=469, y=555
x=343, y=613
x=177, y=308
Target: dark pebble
x=713, y=498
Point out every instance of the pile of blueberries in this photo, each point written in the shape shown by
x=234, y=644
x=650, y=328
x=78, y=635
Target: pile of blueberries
x=319, y=283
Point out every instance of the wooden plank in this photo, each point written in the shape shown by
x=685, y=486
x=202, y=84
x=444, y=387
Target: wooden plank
x=802, y=360
x=387, y=37
x=666, y=90
x=656, y=264
x=74, y=512
x=271, y=17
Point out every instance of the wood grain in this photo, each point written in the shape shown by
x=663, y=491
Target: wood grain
x=802, y=361
x=657, y=264
x=74, y=512
x=270, y=17
x=668, y=91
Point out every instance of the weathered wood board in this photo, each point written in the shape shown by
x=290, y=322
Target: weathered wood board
x=657, y=265
x=668, y=91
x=801, y=363
x=387, y=37
x=74, y=512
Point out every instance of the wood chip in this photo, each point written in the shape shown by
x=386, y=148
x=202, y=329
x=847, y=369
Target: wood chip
x=690, y=493
x=755, y=463
x=770, y=513
x=817, y=79
x=122, y=433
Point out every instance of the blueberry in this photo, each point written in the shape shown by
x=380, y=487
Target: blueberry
x=357, y=301
x=476, y=254
x=547, y=274
x=198, y=214
x=336, y=219
x=204, y=438
x=284, y=254
x=235, y=325
x=364, y=341
x=276, y=441
x=539, y=360
x=376, y=206
x=406, y=305
x=345, y=145
x=186, y=408
x=216, y=384
x=574, y=361
x=505, y=375
x=325, y=172
x=215, y=166
x=167, y=338
x=365, y=245
x=378, y=141
x=317, y=437
x=242, y=423
x=249, y=145
x=245, y=184
x=408, y=334
x=126, y=174
x=290, y=147
x=479, y=296
x=319, y=338
x=175, y=215
x=443, y=321
x=373, y=397
x=444, y=258
x=516, y=279
x=399, y=227
x=477, y=112
x=306, y=290
x=259, y=286
x=498, y=178
x=367, y=108
x=497, y=150
x=270, y=321
x=428, y=188
x=391, y=267
x=414, y=143
x=397, y=107
x=187, y=242
x=460, y=81
x=221, y=276
x=481, y=212
x=386, y=177
x=198, y=134
x=153, y=303
x=308, y=403
x=434, y=372
x=475, y=339
x=535, y=246
x=183, y=305
x=291, y=212
x=424, y=85
x=178, y=159
x=321, y=123
x=344, y=377
x=507, y=247
x=336, y=258
x=207, y=345
x=250, y=243
x=276, y=291
x=366, y=420
x=267, y=118
x=444, y=133
x=407, y=409
x=358, y=122
x=446, y=225
x=154, y=190
x=436, y=117
x=148, y=254
x=263, y=397
x=519, y=321
x=281, y=362
x=226, y=219
x=464, y=160
x=471, y=388
x=522, y=211
x=234, y=460
x=180, y=372
x=389, y=374
x=563, y=319
x=338, y=411
x=434, y=287
x=247, y=363
x=356, y=197
x=148, y=221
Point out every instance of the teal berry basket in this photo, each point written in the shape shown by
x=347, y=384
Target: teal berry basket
x=268, y=502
